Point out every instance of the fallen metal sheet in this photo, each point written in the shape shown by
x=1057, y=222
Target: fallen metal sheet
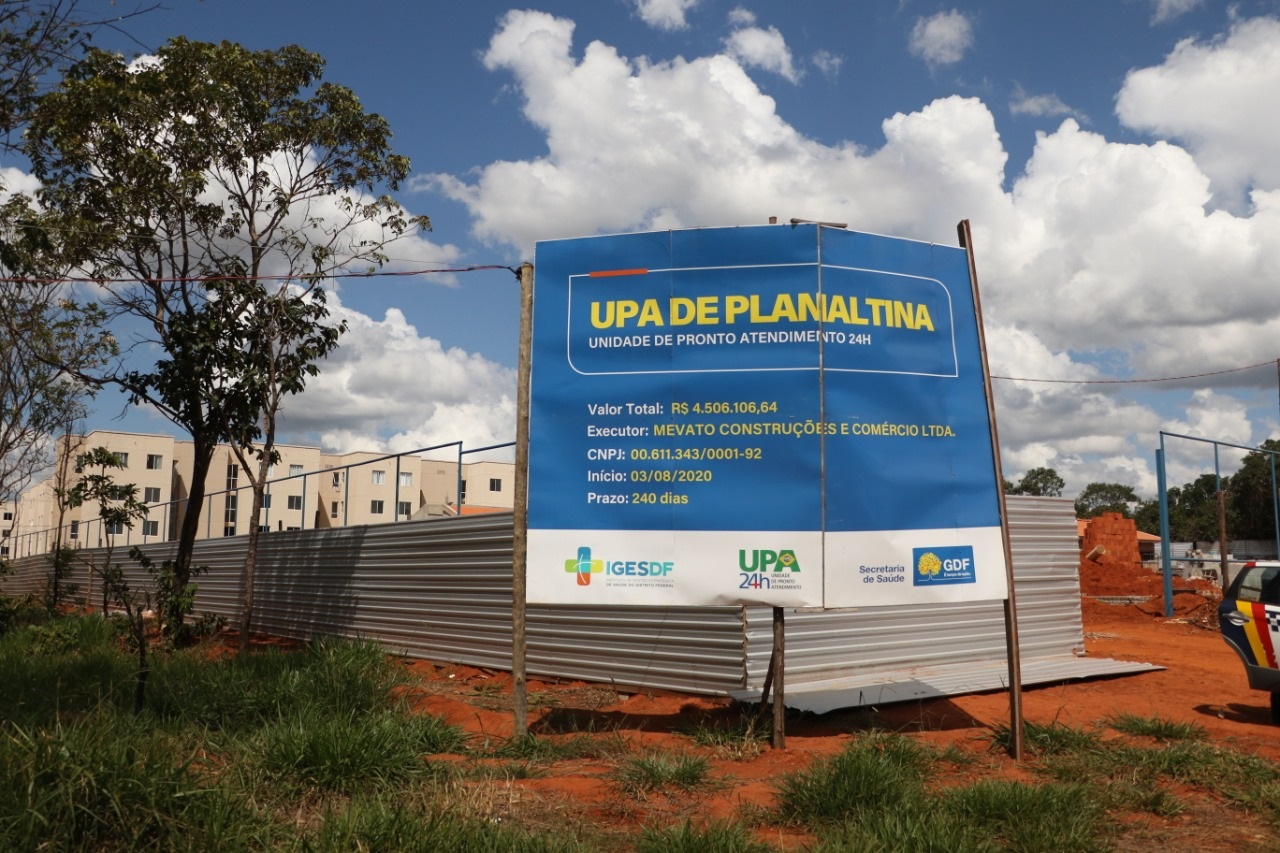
x=819, y=697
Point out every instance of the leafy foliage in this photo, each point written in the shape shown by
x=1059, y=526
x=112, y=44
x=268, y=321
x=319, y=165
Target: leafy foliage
x=1040, y=482
x=196, y=179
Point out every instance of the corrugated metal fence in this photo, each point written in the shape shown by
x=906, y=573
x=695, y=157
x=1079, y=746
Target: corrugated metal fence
x=441, y=590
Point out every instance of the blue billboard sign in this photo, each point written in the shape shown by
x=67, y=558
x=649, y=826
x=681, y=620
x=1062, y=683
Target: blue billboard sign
x=788, y=415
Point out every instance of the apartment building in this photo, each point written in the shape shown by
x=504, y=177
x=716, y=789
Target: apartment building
x=306, y=489
x=8, y=523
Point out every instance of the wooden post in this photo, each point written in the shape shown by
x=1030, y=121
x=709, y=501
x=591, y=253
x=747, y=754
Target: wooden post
x=1012, y=649
x=520, y=539
x=779, y=739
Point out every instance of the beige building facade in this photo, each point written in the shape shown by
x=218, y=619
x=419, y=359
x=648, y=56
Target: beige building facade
x=306, y=489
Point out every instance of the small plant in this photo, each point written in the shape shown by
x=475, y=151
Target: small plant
x=873, y=773
x=539, y=748
x=740, y=738
x=1051, y=817
x=662, y=771
x=1043, y=739
x=346, y=753
x=1160, y=728
x=687, y=838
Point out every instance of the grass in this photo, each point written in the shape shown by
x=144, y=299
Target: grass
x=1160, y=728
x=313, y=749
x=688, y=838
x=874, y=773
x=740, y=737
x=645, y=774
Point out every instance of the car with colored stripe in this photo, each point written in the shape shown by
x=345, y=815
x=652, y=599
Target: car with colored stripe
x=1250, y=620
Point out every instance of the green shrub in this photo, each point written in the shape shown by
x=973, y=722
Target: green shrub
x=875, y=772
x=391, y=827
x=687, y=838
x=353, y=751
x=1049, y=818
x=105, y=783
x=661, y=771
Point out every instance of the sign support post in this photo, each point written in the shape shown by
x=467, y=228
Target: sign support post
x=1012, y=648
x=520, y=539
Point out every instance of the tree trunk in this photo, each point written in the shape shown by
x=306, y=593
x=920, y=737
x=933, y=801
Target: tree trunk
x=247, y=572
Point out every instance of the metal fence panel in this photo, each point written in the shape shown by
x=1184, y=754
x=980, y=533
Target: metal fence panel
x=441, y=590
x=825, y=646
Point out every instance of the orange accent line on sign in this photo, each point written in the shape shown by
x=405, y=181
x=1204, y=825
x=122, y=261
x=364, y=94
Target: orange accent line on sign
x=604, y=273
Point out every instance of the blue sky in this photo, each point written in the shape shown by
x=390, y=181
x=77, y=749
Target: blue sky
x=1119, y=160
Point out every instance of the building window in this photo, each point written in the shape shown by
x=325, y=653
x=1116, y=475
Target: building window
x=229, y=530
x=6, y=532
x=229, y=514
x=462, y=495
x=375, y=507
x=404, y=508
x=154, y=461
x=295, y=470
x=379, y=477
x=266, y=501
x=8, y=516
x=151, y=495
x=114, y=528
x=295, y=502
x=495, y=484
x=264, y=528
x=334, y=506
x=124, y=459
x=406, y=478
x=337, y=479
x=150, y=528
x=75, y=530
x=233, y=475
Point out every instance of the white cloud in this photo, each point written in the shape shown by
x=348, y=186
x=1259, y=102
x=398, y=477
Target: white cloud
x=1099, y=252
x=1213, y=96
x=15, y=181
x=1167, y=10
x=828, y=63
x=1022, y=102
x=740, y=17
x=941, y=39
x=385, y=379
x=756, y=47
x=665, y=14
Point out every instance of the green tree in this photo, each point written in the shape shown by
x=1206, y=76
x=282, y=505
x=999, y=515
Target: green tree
x=48, y=342
x=117, y=503
x=1193, y=509
x=1041, y=482
x=197, y=176
x=1252, y=499
x=1097, y=498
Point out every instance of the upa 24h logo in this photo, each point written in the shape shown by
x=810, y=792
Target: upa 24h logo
x=759, y=568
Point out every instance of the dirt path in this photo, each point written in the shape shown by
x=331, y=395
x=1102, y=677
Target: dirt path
x=1203, y=683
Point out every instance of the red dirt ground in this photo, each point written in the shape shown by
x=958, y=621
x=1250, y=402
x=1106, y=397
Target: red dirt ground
x=1203, y=683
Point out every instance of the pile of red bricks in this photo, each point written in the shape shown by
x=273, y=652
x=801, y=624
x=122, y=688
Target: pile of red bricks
x=1117, y=535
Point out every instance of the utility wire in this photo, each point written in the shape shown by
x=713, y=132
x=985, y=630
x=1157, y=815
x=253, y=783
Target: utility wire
x=1270, y=363
x=202, y=278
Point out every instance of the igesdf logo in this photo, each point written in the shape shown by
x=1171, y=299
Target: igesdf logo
x=935, y=566
x=620, y=572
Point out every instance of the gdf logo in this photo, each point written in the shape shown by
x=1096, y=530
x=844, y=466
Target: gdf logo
x=952, y=564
